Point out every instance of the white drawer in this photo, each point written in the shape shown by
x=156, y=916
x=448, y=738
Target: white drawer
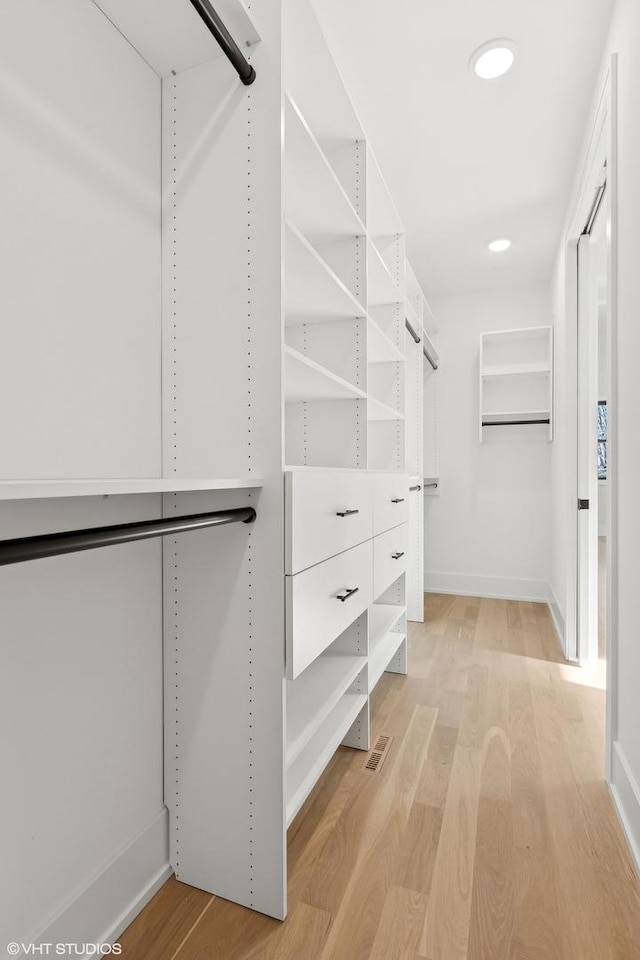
x=390, y=501
x=326, y=514
x=389, y=558
x=315, y=615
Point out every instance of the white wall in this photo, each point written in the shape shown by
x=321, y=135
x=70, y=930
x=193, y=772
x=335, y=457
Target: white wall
x=624, y=39
x=487, y=532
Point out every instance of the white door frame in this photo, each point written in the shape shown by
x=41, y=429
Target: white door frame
x=602, y=148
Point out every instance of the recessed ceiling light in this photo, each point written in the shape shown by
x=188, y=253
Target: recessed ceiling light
x=493, y=59
x=499, y=245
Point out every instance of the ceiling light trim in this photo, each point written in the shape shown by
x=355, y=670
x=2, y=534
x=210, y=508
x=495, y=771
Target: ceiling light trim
x=493, y=59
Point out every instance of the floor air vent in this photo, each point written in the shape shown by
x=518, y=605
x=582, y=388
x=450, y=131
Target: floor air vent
x=378, y=754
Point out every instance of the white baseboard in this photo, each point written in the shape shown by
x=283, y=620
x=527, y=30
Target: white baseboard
x=626, y=798
x=107, y=905
x=557, y=617
x=495, y=588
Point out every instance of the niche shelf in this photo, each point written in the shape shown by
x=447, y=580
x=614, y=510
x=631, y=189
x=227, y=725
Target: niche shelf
x=307, y=380
x=53, y=489
x=315, y=200
x=313, y=695
x=304, y=773
x=516, y=379
x=313, y=292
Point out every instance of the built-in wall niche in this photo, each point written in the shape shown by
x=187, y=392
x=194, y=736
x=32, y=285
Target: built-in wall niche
x=389, y=318
x=385, y=441
x=386, y=387
x=326, y=433
x=516, y=380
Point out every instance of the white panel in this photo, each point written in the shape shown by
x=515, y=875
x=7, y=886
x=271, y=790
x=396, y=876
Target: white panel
x=315, y=529
x=224, y=722
x=80, y=246
x=315, y=615
x=82, y=670
x=415, y=565
x=224, y=596
x=170, y=35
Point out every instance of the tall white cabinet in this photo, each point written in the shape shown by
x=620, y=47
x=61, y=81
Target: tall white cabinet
x=204, y=308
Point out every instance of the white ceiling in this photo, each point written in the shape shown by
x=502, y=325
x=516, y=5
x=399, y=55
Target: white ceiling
x=468, y=160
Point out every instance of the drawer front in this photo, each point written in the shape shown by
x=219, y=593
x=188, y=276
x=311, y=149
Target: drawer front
x=326, y=514
x=389, y=558
x=315, y=615
x=390, y=501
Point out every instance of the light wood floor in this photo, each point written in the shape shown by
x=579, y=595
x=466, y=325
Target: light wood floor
x=488, y=834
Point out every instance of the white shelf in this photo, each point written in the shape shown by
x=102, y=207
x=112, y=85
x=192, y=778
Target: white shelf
x=313, y=292
x=516, y=370
x=514, y=415
x=307, y=380
x=53, y=489
x=380, y=349
x=315, y=200
x=382, y=617
x=304, y=773
x=314, y=694
x=381, y=287
x=381, y=411
x=381, y=654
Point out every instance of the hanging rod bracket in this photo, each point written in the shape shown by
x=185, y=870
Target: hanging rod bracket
x=226, y=42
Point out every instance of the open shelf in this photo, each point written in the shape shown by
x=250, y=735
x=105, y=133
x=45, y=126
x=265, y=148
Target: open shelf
x=381, y=653
x=381, y=411
x=313, y=292
x=516, y=370
x=513, y=416
x=312, y=696
x=315, y=200
x=303, y=774
x=380, y=349
x=307, y=380
x=382, y=617
x=52, y=489
x=381, y=287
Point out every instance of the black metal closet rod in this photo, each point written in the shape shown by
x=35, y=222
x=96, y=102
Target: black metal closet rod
x=510, y=423
x=411, y=330
x=228, y=45
x=52, y=544
x=431, y=360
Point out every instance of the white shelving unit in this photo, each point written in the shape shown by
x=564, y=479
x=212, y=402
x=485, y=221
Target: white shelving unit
x=157, y=364
x=516, y=380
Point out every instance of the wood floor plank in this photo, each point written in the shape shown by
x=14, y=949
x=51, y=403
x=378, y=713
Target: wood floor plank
x=446, y=928
x=165, y=923
x=400, y=925
x=489, y=833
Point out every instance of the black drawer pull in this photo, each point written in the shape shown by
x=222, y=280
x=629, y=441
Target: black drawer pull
x=413, y=489
x=348, y=594
x=346, y=513
x=396, y=556
x=398, y=500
